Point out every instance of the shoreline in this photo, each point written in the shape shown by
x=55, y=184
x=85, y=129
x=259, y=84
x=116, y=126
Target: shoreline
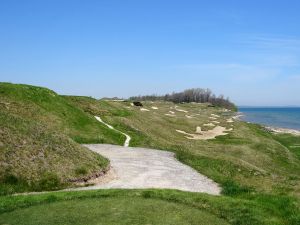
x=274, y=129
x=279, y=130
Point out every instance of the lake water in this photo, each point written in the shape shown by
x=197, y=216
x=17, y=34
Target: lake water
x=276, y=117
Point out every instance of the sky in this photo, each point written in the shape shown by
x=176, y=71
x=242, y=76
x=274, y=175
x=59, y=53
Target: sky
x=246, y=50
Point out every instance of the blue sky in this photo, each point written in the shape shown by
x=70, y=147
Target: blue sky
x=247, y=50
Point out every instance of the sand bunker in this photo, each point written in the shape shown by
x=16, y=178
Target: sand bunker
x=167, y=114
x=230, y=120
x=180, y=110
x=198, y=130
x=209, y=125
x=153, y=107
x=143, y=109
x=171, y=112
x=206, y=135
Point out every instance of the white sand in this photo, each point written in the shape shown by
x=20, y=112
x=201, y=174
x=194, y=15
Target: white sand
x=206, y=135
x=180, y=110
x=154, y=107
x=143, y=109
x=230, y=120
x=167, y=114
x=198, y=130
x=284, y=131
x=171, y=112
x=189, y=117
x=209, y=125
x=217, y=122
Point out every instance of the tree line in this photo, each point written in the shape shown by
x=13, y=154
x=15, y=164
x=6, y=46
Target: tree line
x=198, y=95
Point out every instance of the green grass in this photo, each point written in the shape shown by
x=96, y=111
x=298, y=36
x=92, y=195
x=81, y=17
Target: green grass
x=55, y=111
x=110, y=211
x=145, y=207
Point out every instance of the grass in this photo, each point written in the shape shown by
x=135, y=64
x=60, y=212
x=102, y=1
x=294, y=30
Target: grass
x=143, y=207
x=39, y=137
x=250, y=163
x=56, y=112
x=259, y=172
x=248, y=156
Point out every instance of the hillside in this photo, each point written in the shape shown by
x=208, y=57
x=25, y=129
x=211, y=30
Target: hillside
x=249, y=162
x=38, y=135
x=258, y=171
x=248, y=156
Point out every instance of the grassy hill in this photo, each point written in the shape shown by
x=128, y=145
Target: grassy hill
x=250, y=163
x=39, y=137
x=258, y=171
x=248, y=156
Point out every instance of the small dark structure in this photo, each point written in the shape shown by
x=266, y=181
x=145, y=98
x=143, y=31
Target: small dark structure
x=138, y=104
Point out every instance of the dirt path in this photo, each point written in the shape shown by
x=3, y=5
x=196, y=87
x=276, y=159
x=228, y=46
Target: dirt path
x=128, y=138
x=148, y=168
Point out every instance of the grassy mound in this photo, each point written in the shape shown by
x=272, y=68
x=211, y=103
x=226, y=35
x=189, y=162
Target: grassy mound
x=43, y=105
x=38, y=135
x=145, y=207
x=121, y=210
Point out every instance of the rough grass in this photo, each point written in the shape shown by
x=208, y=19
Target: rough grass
x=37, y=140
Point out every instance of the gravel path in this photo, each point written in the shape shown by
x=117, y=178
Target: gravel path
x=148, y=168
x=128, y=138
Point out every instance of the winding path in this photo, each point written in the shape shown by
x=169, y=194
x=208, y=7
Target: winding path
x=128, y=138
